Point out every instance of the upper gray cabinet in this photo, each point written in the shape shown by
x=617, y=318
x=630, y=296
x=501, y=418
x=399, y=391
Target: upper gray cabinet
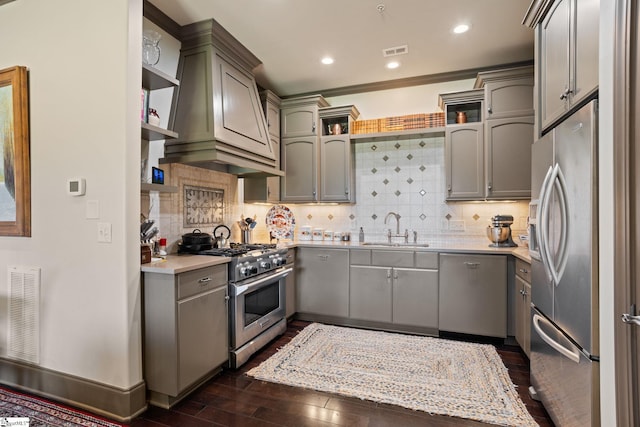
x=317, y=158
x=507, y=92
x=567, y=55
x=299, y=116
x=508, y=132
x=337, y=157
x=464, y=144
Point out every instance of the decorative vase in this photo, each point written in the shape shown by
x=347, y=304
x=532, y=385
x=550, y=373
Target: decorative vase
x=150, y=47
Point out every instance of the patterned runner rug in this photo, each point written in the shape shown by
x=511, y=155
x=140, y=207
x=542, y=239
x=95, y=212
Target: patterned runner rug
x=23, y=410
x=428, y=374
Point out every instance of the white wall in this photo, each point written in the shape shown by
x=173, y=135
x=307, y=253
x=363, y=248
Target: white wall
x=84, y=76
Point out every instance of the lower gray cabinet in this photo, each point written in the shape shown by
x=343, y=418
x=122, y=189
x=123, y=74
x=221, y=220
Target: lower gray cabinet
x=415, y=297
x=185, y=331
x=322, y=281
x=473, y=294
x=404, y=296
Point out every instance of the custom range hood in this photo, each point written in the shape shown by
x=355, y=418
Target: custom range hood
x=216, y=110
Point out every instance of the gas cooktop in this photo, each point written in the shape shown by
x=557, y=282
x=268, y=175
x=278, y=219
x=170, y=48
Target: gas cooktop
x=239, y=249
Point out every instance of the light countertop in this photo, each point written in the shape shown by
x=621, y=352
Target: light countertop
x=459, y=245
x=175, y=264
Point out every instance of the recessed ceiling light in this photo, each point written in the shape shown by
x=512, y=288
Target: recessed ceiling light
x=393, y=64
x=462, y=28
x=327, y=60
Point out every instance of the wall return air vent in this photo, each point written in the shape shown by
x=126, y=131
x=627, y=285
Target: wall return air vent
x=24, y=314
x=393, y=51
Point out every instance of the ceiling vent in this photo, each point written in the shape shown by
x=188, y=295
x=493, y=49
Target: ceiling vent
x=393, y=51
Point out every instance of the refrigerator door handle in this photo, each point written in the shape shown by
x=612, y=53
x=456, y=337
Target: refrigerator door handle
x=561, y=184
x=574, y=356
x=542, y=216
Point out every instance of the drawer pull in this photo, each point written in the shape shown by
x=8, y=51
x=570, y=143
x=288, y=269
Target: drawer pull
x=204, y=280
x=472, y=264
x=523, y=270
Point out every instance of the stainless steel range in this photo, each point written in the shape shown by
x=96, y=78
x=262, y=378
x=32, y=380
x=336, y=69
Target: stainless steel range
x=257, y=297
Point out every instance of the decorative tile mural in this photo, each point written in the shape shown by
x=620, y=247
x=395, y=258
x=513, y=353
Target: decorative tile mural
x=203, y=206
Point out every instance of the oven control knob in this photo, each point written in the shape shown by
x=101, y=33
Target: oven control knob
x=265, y=265
x=254, y=269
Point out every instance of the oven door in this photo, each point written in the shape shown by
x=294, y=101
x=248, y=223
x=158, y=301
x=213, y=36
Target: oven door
x=256, y=305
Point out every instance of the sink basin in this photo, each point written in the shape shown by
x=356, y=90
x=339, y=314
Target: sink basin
x=397, y=245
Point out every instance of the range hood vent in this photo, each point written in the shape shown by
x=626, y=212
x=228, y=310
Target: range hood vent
x=216, y=110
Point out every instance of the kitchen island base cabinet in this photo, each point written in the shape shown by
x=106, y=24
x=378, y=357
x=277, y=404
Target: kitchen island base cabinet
x=473, y=294
x=185, y=331
x=322, y=282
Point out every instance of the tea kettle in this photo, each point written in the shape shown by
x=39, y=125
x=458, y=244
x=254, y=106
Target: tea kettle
x=220, y=240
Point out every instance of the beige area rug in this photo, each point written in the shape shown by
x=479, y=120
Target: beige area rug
x=428, y=374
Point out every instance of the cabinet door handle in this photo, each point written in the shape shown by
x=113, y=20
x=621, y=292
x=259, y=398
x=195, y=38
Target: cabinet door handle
x=204, y=280
x=489, y=109
x=313, y=127
x=346, y=191
x=565, y=94
x=449, y=188
x=323, y=257
x=489, y=187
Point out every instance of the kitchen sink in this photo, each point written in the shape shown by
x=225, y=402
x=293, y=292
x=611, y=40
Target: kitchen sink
x=396, y=245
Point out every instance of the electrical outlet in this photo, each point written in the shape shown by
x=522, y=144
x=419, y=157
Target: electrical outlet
x=104, y=232
x=456, y=225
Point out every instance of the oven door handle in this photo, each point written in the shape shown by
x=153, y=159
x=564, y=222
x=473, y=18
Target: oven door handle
x=241, y=289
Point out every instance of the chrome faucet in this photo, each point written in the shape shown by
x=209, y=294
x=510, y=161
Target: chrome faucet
x=389, y=235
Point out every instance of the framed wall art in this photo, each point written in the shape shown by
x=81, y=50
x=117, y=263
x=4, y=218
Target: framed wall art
x=15, y=174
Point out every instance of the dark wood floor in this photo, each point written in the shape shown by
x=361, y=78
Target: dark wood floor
x=233, y=399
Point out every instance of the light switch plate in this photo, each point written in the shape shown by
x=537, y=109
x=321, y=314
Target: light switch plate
x=92, y=209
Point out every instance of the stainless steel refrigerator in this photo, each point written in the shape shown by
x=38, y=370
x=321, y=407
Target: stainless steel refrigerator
x=564, y=265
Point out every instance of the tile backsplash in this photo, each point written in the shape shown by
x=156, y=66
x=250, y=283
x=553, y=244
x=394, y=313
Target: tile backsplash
x=406, y=177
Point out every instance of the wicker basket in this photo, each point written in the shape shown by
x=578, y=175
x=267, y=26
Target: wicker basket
x=399, y=123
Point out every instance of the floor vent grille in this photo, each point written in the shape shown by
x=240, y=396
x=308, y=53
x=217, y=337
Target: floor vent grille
x=24, y=314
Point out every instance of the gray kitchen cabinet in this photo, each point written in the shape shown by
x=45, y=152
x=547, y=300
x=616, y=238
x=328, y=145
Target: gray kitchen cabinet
x=318, y=166
x=322, y=281
x=523, y=305
x=394, y=289
x=464, y=161
x=185, y=331
x=371, y=293
x=508, y=157
x=299, y=116
x=300, y=134
x=337, y=175
x=299, y=162
x=473, y=294
x=509, y=132
x=464, y=144
x=267, y=188
x=507, y=92
x=567, y=42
